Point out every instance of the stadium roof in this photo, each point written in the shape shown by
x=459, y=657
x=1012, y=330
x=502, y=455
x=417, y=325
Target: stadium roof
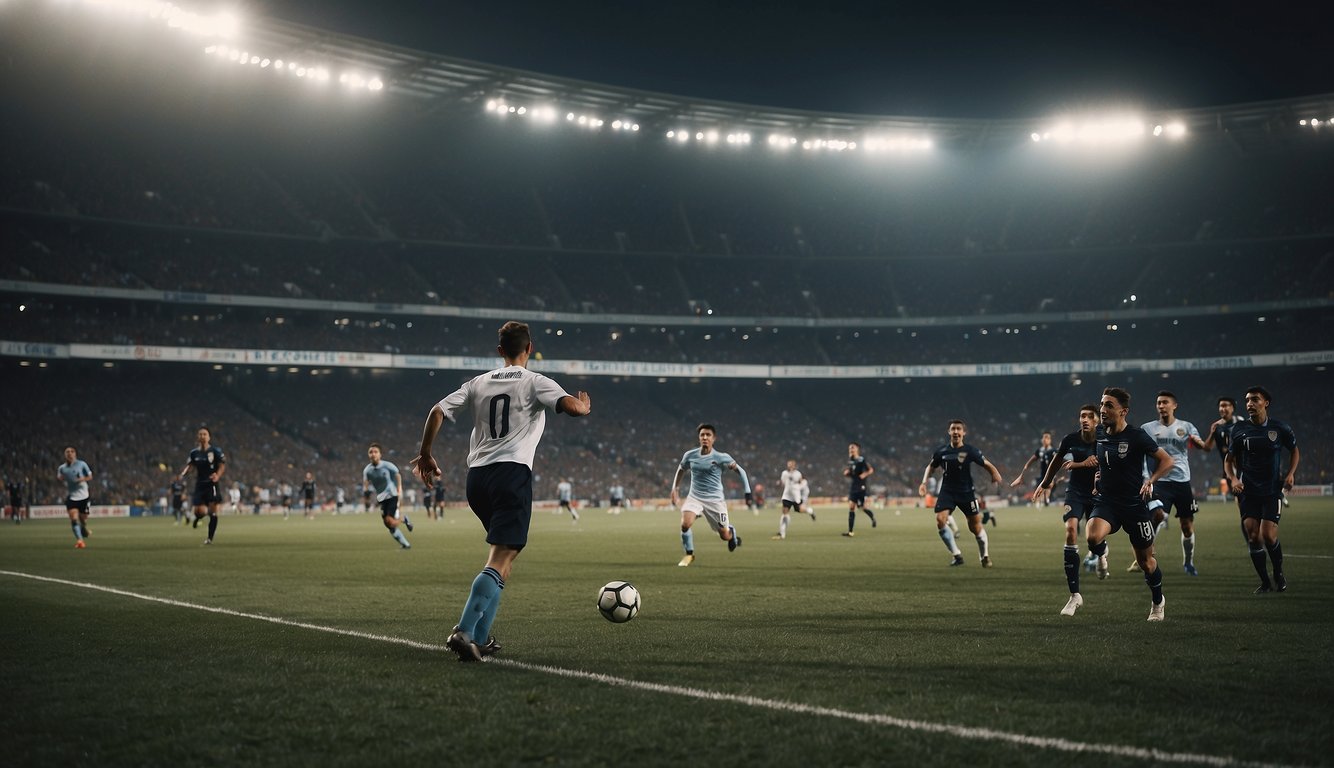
x=445, y=85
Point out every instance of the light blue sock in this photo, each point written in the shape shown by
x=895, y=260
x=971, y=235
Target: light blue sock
x=484, y=589
x=488, y=616
x=947, y=536
x=78, y=532
x=688, y=541
x=398, y=536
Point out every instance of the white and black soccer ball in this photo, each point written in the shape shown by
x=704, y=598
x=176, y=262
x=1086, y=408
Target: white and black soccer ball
x=618, y=601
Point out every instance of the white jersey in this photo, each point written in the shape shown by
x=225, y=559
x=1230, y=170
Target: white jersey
x=805, y=490
x=509, y=408
x=235, y=495
x=564, y=491
x=791, y=480
x=1175, y=439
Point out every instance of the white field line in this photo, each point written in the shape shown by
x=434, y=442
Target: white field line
x=960, y=731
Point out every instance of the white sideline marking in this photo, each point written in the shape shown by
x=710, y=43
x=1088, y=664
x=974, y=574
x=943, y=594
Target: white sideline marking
x=980, y=734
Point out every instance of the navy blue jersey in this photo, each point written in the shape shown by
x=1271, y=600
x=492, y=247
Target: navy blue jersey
x=308, y=489
x=856, y=467
x=958, y=479
x=1223, y=437
x=1073, y=448
x=15, y=494
x=177, y=489
x=206, y=462
x=1044, y=455
x=1256, y=450
x=1121, y=460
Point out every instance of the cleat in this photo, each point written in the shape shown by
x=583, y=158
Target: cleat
x=1280, y=583
x=405, y=545
x=1090, y=564
x=1156, y=611
x=734, y=542
x=873, y=522
x=958, y=560
x=491, y=648
x=1103, y=570
x=408, y=523
x=687, y=560
x=1264, y=589
x=83, y=528
x=1134, y=566
x=1190, y=570
x=79, y=544
x=1283, y=498
x=208, y=541
x=196, y=523
x=776, y=537
x=986, y=561
x=849, y=534
x=1075, y=602
x=812, y=515
x=460, y=642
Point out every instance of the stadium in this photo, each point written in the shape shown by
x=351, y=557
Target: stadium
x=303, y=239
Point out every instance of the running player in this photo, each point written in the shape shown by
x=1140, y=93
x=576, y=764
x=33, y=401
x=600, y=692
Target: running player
x=76, y=473
x=383, y=476
x=616, y=496
x=957, y=491
x=177, y=499
x=509, y=408
x=1078, y=455
x=438, y=499
x=1122, y=490
x=1220, y=434
x=565, y=493
x=209, y=465
x=1174, y=491
x=857, y=471
x=705, y=466
x=1043, y=455
x=14, y=488
x=234, y=496
x=791, y=481
x=1253, y=470
x=308, y=494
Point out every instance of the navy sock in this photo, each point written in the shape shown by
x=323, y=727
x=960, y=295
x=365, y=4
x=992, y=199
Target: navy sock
x=1276, y=557
x=1258, y=560
x=212, y=525
x=1099, y=549
x=852, y=519
x=1072, y=567
x=1155, y=582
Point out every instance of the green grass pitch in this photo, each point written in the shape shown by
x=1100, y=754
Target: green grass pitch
x=817, y=650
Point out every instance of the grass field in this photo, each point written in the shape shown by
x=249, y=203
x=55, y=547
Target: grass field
x=817, y=650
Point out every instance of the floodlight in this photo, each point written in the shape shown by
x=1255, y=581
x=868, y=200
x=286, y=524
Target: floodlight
x=1175, y=130
x=616, y=125
x=376, y=84
x=569, y=116
x=634, y=127
x=277, y=64
x=1035, y=137
x=699, y=136
x=711, y=137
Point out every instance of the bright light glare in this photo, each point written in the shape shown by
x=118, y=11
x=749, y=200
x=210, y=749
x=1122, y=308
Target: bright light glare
x=1095, y=131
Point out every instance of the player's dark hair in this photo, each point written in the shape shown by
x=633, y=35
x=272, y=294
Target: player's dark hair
x=1165, y=393
x=69, y=448
x=1262, y=392
x=375, y=446
x=854, y=442
x=514, y=339
x=703, y=427
x=1120, y=395
x=1229, y=400
x=1046, y=433
x=1090, y=407
x=957, y=421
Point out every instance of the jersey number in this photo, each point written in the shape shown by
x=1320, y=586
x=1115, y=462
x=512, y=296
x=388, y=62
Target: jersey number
x=1145, y=529
x=500, y=403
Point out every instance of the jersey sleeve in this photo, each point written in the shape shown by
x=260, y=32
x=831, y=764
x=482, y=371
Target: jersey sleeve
x=451, y=403
x=393, y=472
x=547, y=392
x=1194, y=432
x=366, y=474
x=1145, y=442
x=222, y=457
x=976, y=456
x=684, y=463
x=1287, y=438
x=935, y=460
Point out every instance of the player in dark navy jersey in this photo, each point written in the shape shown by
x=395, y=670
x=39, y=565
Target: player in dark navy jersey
x=1220, y=433
x=857, y=471
x=1255, y=473
x=177, y=500
x=209, y=465
x=308, y=494
x=1078, y=455
x=956, y=490
x=1122, y=491
x=15, y=490
x=1043, y=455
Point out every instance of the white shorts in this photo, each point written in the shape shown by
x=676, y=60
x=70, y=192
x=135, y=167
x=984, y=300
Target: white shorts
x=713, y=511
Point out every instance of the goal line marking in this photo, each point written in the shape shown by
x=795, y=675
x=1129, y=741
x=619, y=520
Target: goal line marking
x=778, y=705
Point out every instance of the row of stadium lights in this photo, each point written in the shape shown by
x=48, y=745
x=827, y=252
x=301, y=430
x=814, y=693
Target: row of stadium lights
x=548, y=114
x=352, y=80
x=175, y=17
x=1316, y=123
x=1106, y=132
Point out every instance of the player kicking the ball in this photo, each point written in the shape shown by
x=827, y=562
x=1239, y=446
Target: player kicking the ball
x=706, y=466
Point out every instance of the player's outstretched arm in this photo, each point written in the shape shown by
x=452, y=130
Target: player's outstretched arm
x=576, y=405
x=995, y=473
x=676, y=498
x=926, y=475
x=1019, y=477
x=424, y=466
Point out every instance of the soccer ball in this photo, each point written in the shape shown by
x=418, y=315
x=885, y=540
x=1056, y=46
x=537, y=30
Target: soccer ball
x=618, y=601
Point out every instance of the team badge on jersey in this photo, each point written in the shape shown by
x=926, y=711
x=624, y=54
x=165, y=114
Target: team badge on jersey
x=1122, y=449
x=962, y=456
x=1273, y=435
x=1181, y=432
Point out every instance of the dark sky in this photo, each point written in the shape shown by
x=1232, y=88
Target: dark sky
x=963, y=59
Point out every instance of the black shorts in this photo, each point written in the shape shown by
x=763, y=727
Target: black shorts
x=789, y=504
x=1261, y=507
x=501, y=495
x=389, y=507
x=617, y=502
x=1077, y=505
x=81, y=505
x=857, y=497
x=205, y=494
x=1134, y=518
x=1176, y=494
x=966, y=503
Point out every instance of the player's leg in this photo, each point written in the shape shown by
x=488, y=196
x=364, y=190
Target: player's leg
x=946, y=535
x=861, y=504
x=1096, y=532
x=784, y=518
x=214, y=507
x=1071, y=555
x=973, y=515
x=1186, y=516
x=1251, y=517
x=715, y=512
x=688, y=513
x=72, y=509
x=1269, y=535
x=852, y=516
x=83, y=516
x=389, y=514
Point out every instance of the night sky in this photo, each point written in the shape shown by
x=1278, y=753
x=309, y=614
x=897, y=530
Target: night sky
x=963, y=59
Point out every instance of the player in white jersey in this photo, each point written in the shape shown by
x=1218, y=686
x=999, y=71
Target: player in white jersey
x=76, y=473
x=792, y=481
x=705, y=466
x=565, y=494
x=509, y=408
x=234, y=495
x=1173, y=490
